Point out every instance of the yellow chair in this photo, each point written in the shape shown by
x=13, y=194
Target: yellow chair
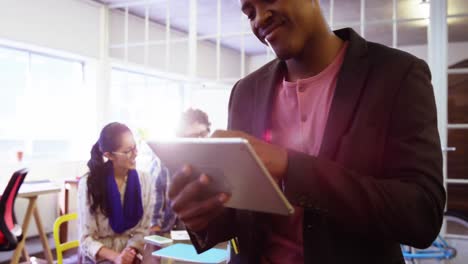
x=59, y=248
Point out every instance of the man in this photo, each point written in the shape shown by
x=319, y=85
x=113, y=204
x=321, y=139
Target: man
x=347, y=128
x=193, y=123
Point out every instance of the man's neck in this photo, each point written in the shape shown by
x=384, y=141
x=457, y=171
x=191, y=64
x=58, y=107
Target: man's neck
x=315, y=57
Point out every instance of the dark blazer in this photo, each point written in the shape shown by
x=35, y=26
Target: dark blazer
x=377, y=181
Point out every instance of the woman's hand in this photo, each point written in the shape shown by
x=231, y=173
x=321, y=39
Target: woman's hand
x=155, y=228
x=127, y=256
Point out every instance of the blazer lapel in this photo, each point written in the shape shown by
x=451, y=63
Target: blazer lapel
x=265, y=89
x=349, y=87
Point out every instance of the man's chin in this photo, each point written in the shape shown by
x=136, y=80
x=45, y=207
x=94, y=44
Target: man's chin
x=283, y=55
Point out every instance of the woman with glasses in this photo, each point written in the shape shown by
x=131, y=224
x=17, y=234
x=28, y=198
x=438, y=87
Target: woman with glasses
x=115, y=201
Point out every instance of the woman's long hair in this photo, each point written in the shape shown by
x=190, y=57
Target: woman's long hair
x=108, y=141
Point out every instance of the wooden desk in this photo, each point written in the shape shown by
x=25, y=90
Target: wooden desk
x=69, y=185
x=31, y=191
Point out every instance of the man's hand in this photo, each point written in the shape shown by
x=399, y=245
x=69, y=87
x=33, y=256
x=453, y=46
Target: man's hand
x=273, y=157
x=192, y=201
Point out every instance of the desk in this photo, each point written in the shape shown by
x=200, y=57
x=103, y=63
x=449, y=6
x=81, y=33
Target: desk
x=148, y=258
x=70, y=188
x=31, y=191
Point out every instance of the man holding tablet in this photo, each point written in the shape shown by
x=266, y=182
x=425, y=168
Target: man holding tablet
x=346, y=127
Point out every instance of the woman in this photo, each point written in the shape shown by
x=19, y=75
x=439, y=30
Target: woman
x=115, y=201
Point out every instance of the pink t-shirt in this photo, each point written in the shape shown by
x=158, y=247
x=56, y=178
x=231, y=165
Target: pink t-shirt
x=300, y=114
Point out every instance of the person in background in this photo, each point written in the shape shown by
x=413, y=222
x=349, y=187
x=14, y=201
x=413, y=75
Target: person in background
x=115, y=201
x=348, y=130
x=193, y=123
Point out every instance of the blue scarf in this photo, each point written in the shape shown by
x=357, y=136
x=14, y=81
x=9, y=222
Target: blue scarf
x=126, y=217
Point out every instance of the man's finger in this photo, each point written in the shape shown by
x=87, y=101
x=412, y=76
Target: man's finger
x=200, y=223
x=180, y=179
x=226, y=134
x=190, y=193
x=234, y=134
x=219, y=133
x=205, y=207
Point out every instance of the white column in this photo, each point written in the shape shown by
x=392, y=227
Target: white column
x=146, y=48
x=192, y=40
x=394, y=24
x=168, y=35
x=126, y=35
x=242, y=51
x=218, y=40
x=103, y=81
x=437, y=58
x=363, y=18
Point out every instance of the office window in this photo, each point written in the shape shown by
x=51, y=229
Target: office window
x=47, y=112
x=147, y=104
x=13, y=82
x=214, y=101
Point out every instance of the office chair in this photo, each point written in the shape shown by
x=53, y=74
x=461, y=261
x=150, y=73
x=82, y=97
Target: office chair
x=60, y=247
x=10, y=231
x=440, y=250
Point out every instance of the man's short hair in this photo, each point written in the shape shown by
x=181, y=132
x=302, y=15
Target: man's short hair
x=190, y=117
x=195, y=115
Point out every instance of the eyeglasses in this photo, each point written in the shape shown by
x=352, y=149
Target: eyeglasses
x=127, y=153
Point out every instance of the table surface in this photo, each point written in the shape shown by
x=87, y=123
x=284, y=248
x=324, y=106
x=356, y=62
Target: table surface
x=35, y=188
x=30, y=189
x=150, y=248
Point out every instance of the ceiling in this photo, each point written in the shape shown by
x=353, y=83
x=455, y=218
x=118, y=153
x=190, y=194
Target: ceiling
x=346, y=13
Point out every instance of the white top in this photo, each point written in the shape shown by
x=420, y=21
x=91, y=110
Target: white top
x=95, y=230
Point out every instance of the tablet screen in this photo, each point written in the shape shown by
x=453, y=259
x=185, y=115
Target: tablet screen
x=233, y=167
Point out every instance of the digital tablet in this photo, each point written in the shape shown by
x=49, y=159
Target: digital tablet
x=232, y=165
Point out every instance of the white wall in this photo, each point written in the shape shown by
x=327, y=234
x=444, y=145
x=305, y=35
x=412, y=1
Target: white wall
x=55, y=24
